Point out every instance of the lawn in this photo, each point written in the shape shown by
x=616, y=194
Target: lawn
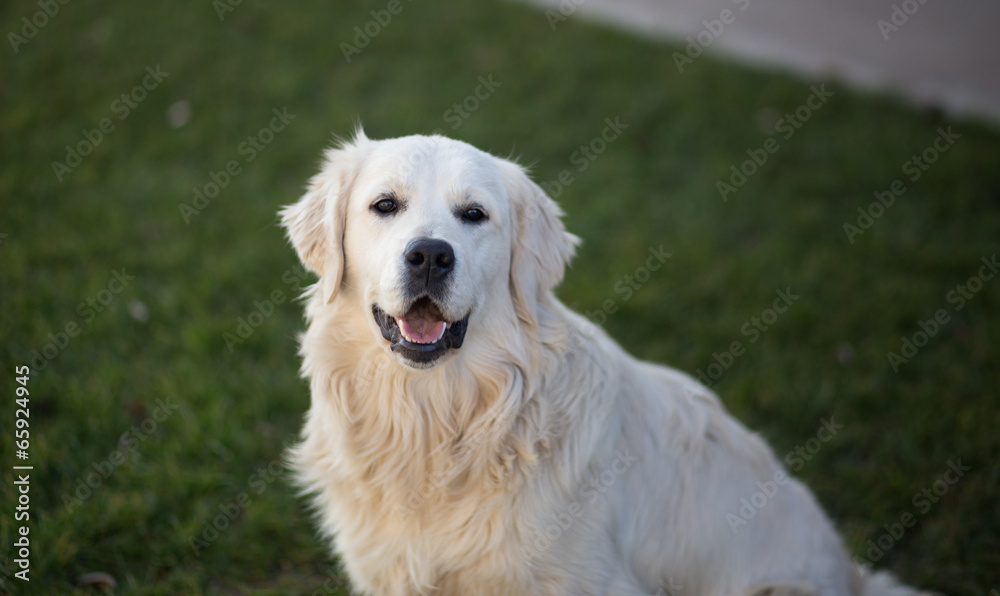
x=145, y=282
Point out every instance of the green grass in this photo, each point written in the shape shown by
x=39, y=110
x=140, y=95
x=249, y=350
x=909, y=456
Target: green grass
x=655, y=185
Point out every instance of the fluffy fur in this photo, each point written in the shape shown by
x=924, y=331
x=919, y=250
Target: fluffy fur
x=539, y=458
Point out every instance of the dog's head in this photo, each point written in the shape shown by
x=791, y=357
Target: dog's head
x=432, y=239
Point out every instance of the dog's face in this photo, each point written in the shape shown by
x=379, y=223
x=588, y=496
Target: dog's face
x=428, y=238
x=427, y=244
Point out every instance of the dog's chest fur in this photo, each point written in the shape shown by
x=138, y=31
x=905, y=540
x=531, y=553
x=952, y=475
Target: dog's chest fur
x=421, y=481
x=414, y=521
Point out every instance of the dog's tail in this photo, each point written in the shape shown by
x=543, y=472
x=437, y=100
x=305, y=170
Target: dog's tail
x=883, y=583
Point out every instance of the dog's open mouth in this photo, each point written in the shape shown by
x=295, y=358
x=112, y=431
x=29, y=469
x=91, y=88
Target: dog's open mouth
x=422, y=334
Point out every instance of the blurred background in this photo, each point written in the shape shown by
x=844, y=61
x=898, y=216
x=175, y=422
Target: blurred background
x=825, y=179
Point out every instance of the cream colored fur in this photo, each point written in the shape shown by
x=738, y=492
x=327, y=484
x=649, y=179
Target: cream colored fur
x=539, y=458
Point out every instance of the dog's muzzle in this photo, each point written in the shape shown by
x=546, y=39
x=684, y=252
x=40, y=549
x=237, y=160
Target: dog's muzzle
x=422, y=335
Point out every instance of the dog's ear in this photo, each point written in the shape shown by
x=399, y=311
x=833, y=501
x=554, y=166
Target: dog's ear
x=540, y=245
x=315, y=224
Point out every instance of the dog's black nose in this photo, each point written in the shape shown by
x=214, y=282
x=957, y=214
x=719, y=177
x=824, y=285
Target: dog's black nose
x=429, y=260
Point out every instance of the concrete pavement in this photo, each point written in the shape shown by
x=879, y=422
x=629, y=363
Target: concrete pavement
x=941, y=53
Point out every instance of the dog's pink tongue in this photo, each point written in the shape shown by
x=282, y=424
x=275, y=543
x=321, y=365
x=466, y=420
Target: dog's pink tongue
x=421, y=329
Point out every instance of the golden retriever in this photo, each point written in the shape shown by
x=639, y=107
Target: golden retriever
x=470, y=435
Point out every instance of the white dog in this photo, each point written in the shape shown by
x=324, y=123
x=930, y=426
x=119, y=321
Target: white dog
x=470, y=435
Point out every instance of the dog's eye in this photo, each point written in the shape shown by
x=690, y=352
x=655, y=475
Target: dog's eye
x=474, y=214
x=384, y=205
